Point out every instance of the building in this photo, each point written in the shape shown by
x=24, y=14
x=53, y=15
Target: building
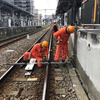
x=27, y=5
x=11, y=1
x=36, y=17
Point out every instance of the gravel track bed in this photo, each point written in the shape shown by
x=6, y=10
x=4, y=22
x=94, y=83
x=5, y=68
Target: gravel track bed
x=32, y=90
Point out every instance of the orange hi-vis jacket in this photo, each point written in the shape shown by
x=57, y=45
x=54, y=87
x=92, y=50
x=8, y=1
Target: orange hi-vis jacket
x=53, y=27
x=36, y=52
x=62, y=36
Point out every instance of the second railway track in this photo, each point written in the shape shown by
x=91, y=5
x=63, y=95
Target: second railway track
x=9, y=40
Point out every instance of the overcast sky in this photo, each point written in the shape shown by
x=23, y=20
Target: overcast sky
x=45, y=4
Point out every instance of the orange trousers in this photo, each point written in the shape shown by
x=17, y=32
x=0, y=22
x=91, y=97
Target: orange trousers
x=61, y=49
x=26, y=55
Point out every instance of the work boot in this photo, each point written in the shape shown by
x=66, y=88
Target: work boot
x=63, y=64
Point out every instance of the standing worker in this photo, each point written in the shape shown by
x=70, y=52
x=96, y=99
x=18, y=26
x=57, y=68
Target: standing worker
x=37, y=52
x=55, y=27
x=62, y=37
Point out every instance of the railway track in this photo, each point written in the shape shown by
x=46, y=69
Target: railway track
x=11, y=52
x=15, y=81
x=16, y=38
x=46, y=83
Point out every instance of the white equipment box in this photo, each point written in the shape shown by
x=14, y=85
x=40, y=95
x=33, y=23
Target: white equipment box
x=30, y=65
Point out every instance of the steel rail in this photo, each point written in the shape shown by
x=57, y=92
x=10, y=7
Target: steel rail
x=43, y=63
x=10, y=69
x=44, y=95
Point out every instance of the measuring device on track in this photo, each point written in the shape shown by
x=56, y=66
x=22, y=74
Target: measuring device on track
x=43, y=63
x=32, y=62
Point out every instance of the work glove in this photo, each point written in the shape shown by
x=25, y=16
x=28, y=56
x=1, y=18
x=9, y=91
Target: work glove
x=58, y=42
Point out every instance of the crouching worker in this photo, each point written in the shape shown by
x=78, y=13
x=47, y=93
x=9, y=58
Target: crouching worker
x=62, y=36
x=37, y=52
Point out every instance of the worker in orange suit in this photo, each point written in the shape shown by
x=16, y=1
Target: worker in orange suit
x=55, y=27
x=62, y=37
x=37, y=52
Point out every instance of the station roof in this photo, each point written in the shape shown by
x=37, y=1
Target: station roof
x=64, y=5
x=5, y=3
